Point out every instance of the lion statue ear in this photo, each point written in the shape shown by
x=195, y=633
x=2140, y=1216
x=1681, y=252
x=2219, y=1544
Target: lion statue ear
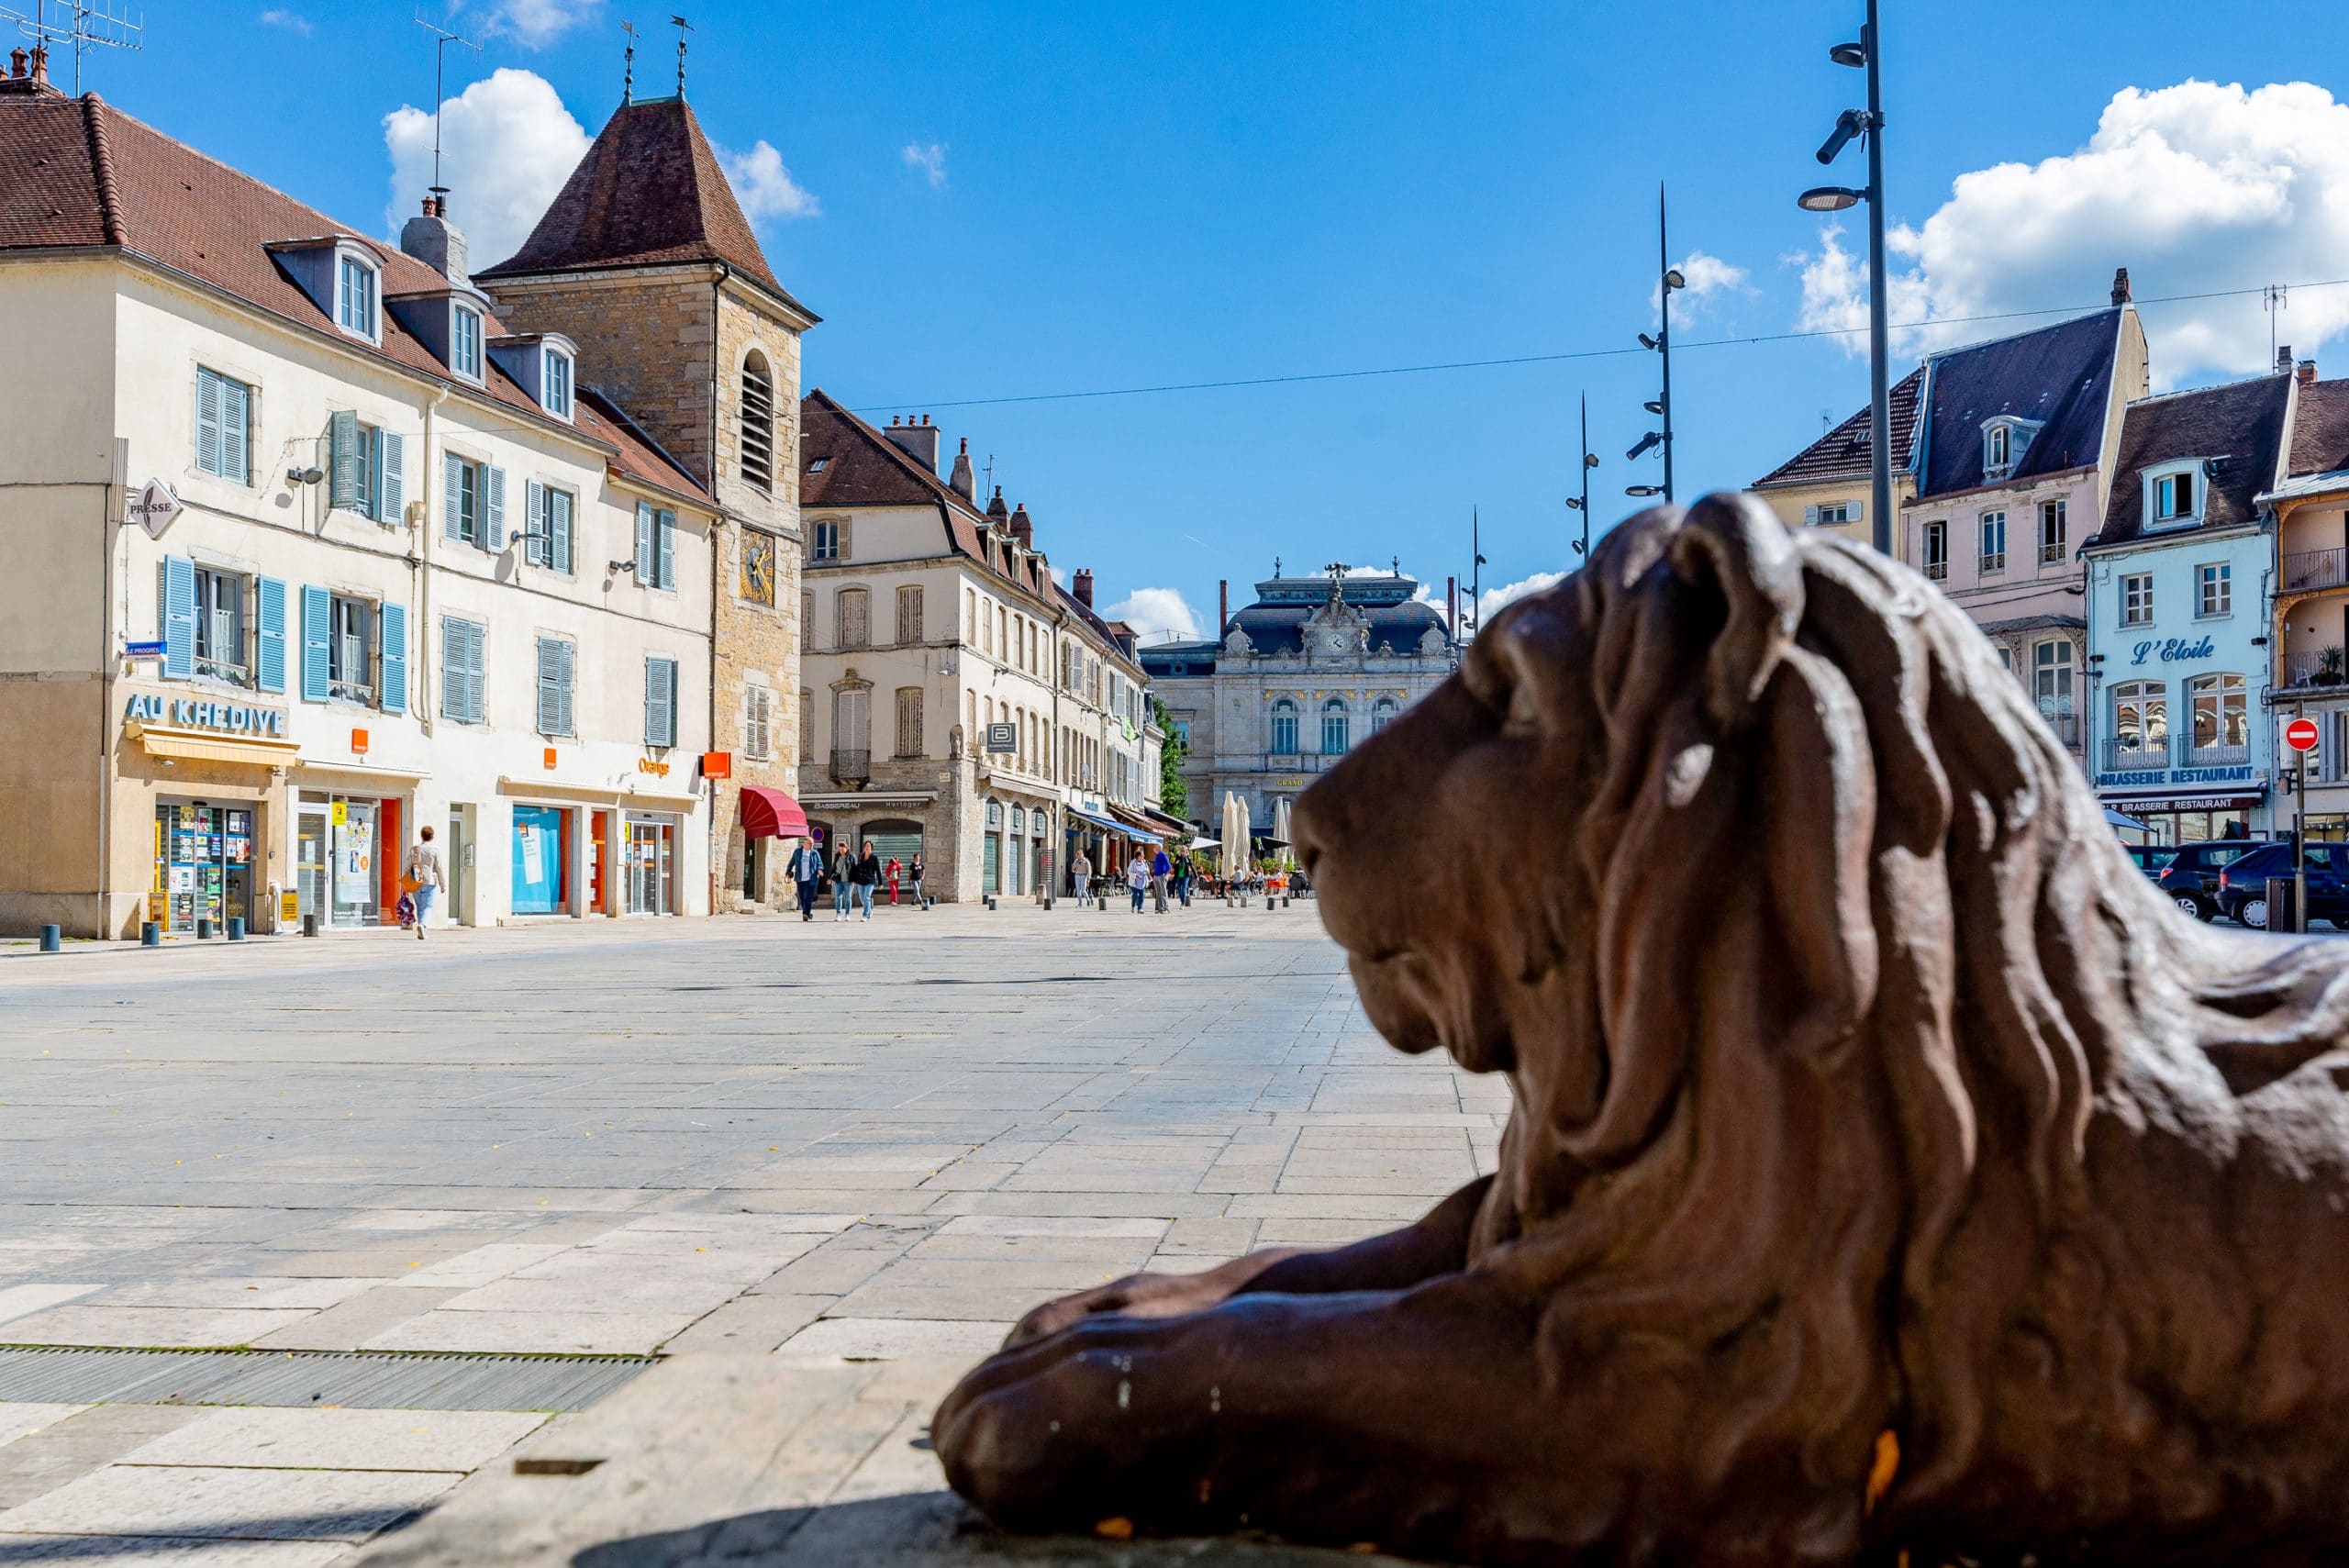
x=1735, y=545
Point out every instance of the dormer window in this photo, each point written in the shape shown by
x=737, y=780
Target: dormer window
x=2173, y=498
x=464, y=342
x=542, y=364
x=2175, y=495
x=2005, y=440
x=557, y=383
x=355, y=295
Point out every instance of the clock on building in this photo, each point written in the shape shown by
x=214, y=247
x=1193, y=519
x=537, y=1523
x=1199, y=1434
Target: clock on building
x=1337, y=641
x=758, y=566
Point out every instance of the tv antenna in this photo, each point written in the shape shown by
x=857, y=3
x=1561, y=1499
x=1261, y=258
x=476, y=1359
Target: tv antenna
x=683, y=28
x=84, y=24
x=2272, y=297
x=441, y=39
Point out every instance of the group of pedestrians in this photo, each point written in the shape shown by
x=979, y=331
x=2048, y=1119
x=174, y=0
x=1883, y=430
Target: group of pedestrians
x=855, y=879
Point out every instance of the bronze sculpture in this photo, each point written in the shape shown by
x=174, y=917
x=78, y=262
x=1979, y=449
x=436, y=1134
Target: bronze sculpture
x=1893, y=1171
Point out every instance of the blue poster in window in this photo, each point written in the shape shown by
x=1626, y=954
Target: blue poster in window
x=538, y=860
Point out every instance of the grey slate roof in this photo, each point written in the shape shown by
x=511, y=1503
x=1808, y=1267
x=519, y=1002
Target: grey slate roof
x=2060, y=375
x=2241, y=424
x=1280, y=628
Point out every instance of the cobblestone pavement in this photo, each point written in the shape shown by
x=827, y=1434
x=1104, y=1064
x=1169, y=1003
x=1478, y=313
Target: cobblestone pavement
x=817, y=1169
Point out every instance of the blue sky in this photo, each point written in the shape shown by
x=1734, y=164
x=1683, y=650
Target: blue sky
x=1124, y=196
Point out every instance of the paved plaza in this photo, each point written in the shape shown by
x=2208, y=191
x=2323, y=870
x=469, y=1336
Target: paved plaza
x=811, y=1171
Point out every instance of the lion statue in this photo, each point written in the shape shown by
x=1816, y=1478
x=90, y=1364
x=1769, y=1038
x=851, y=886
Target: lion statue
x=1894, y=1174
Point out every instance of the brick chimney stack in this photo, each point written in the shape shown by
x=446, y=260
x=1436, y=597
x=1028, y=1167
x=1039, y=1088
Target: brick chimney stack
x=1082, y=587
x=2120, y=294
x=918, y=442
x=965, y=484
x=1023, y=526
x=40, y=65
x=17, y=62
x=2284, y=360
x=2308, y=373
x=432, y=240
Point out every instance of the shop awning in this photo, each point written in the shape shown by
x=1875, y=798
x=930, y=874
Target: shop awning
x=203, y=746
x=1095, y=817
x=771, y=814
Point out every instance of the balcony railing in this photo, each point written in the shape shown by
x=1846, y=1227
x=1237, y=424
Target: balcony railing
x=1937, y=571
x=850, y=767
x=2315, y=569
x=2212, y=756
x=1994, y=561
x=2127, y=756
x=2051, y=554
x=2309, y=669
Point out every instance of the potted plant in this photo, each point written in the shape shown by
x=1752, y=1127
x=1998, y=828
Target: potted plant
x=2328, y=665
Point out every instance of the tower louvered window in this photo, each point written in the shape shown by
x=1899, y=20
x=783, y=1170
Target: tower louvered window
x=758, y=422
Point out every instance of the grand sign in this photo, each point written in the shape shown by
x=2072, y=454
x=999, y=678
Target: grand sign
x=194, y=713
x=2171, y=650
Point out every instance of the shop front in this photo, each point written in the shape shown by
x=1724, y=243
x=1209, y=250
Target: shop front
x=649, y=863
x=2191, y=820
x=540, y=858
x=209, y=771
x=205, y=864
x=346, y=858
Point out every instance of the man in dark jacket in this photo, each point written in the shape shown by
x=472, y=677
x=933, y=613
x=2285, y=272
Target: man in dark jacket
x=807, y=871
x=863, y=876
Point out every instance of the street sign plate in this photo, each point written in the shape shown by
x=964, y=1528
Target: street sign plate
x=154, y=507
x=2300, y=735
x=155, y=650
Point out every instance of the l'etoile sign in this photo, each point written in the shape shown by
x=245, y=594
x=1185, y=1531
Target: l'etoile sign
x=190, y=713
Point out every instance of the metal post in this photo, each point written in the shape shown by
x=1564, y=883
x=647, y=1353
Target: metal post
x=1664, y=332
x=2299, y=842
x=1584, y=550
x=1879, y=350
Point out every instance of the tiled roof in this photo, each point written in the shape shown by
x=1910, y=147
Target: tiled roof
x=1280, y=628
x=639, y=456
x=1842, y=452
x=2320, y=428
x=90, y=175
x=2240, y=424
x=650, y=191
x=2060, y=376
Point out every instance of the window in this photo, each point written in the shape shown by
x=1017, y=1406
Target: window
x=2173, y=498
x=1936, y=550
x=852, y=619
x=758, y=720
x=2051, y=676
x=656, y=546
x=220, y=625
x=464, y=342
x=828, y=542
x=1285, y=728
x=1994, y=542
x=2137, y=599
x=759, y=560
x=970, y=614
x=1832, y=514
x=2214, y=590
x=1182, y=731
x=1382, y=713
x=463, y=643
x=758, y=422
x=2141, y=719
x=2220, y=718
x=909, y=615
x=910, y=738
x=852, y=733
x=806, y=724
x=367, y=468
x=557, y=659
x=1996, y=442
x=350, y=669
x=223, y=425
x=1335, y=725
x=556, y=373
x=659, y=702
x=474, y=502
x=354, y=296
x=2052, y=531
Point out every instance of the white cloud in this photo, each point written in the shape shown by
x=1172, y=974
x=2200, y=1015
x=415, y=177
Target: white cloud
x=2194, y=188
x=930, y=158
x=506, y=145
x=534, y=24
x=764, y=187
x=292, y=21
x=1710, y=281
x=1492, y=600
x=1155, y=614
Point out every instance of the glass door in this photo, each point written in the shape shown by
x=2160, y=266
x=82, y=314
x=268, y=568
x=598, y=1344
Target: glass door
x=651, y=868
x=352, y=883
x=310, y=862
x=192, y=854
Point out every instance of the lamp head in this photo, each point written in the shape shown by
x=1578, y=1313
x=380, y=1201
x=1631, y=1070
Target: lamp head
x=1855, y=55
x=1673, y=279
x=1646, y=342
x=1591, y=459
x=1642, y=490
x=1647, y=442
x=1574, y=503
x=1848, y=123
x=1654, y=406
x=1830, y=198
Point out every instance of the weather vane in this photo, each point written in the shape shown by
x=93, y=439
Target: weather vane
x=683, y=28
x=628, y=77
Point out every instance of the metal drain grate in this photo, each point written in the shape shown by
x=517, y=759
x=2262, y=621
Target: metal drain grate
x=360, y=1380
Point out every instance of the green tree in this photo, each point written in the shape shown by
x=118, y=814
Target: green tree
x=1173, y=795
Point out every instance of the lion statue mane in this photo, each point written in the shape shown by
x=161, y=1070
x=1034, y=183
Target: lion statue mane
x=1894, y=1174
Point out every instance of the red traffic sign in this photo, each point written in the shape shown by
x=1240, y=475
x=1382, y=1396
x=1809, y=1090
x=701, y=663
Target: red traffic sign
x=2300, y=735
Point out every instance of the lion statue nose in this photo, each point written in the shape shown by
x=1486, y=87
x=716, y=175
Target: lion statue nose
x=1305, y=832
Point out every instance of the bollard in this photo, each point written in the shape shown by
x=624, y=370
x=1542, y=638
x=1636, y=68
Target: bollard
x=236, y=928
x=1047, y=900
x=203, y=928
x=150, y=934
x=52, y=938
x=1104, y=899
x=1271, y=907
x=310, y=924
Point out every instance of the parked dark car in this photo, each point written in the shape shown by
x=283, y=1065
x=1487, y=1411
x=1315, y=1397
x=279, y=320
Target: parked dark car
x=2192, y=875
x=2242, y=887
x=2151, y=858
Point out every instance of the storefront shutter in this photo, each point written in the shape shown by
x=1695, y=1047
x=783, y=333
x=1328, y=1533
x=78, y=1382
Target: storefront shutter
x=317, y=604
x=269, y=598
x=391, y=476
x=534, y=522
x=646, y=566
x=667, y=533
x=342, y=461
x=492, y=533
x=179, y=616
x=452, y=483
x=395, y=658
x=235, y=410
x=207, y=421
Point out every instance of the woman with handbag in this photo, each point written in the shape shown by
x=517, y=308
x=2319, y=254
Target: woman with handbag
x=421, y=880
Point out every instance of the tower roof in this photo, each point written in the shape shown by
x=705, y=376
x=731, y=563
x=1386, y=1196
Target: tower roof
x=648, y=191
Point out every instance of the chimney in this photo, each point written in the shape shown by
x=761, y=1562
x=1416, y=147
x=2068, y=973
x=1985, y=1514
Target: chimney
x=1222, y=606
x=432, y=240
x=17, y=62
x=1023, y=527
x=998, y=515
x=1082, y=587
x=918, y=442
x=964, y=482
x=2284, y=360
x=40, y=65
x=2308, y=373
x=2120, y=294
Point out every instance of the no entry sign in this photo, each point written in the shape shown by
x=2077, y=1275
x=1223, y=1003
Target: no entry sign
x=2300, y=735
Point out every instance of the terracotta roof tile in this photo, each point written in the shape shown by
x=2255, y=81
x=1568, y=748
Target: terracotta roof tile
x=1842, y=452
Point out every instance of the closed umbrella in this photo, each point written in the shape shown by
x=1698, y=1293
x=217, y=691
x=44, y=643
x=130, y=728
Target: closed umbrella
x=1280, y=827
x=1241, y=836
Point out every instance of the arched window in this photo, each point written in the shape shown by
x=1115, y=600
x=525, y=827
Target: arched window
x=2221, y=721
x=758, y=422
x=1381, y=713
x=1285, y=728
x=2141, y=720
x=1336, y=726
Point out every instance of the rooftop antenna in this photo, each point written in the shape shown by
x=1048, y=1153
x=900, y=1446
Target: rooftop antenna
x=990, y=467
x=1475, y=616
x=628, y=76
x=104, y=23
x=683, y=28
x=442, y=37
x=2272, y=297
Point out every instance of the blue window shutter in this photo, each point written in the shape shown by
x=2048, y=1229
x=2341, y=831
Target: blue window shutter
x=534, y=522
x=179, y=616
x=395, y=687
x=343, y=449
x=452, y=475
x=452, y=667
x=667, y=531
x=645, y=564
x=207, y=421
x=235, y=412
x=569, y=652
x=559, y=529
x=550, y=715
x=476, y=665
x=316, y=605
x=391, y=476
x=270, y=598
x=492, y=533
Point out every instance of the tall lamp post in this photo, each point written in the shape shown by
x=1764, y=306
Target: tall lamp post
x=1589, y=461
x=1868, y=54
x=1669, y=279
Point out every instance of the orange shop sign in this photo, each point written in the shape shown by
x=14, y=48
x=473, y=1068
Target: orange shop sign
x=717, y=764
x=646, y=765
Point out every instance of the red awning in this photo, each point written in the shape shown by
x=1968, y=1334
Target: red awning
x=771, y=814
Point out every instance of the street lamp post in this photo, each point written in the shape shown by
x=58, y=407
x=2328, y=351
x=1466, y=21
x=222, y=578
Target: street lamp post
x=1668, y=279
x=1589, y=461
x=1868, y=122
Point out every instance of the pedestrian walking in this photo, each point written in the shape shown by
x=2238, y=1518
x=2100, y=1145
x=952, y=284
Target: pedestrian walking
x=1182, y=875
x=862, y=876
x=1161, y=870
x=842, y=863
x=1138, y=878
x=423, y=873
x=807, y=875
x=897, y=870
x=916, y=870
x=1080, y=873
